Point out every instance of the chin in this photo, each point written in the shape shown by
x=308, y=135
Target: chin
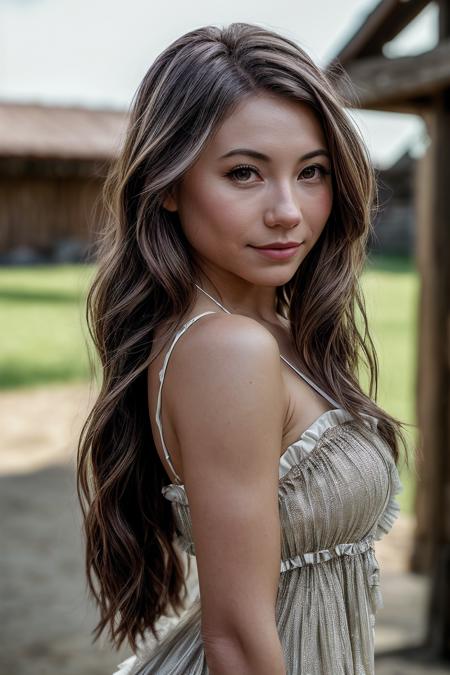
x=274, y=278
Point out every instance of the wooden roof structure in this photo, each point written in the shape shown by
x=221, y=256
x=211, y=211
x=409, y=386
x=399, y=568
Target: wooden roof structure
x=420, y=84
x=57, y=132
x=402, y=84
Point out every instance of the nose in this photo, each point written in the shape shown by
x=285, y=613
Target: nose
x=284, y=210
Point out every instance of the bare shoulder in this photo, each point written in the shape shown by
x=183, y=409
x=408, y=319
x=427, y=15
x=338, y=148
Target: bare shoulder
x=229, y=357
x=228, y=335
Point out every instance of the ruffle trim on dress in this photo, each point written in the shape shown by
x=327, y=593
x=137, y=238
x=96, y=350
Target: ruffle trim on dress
x=365, y=546
x=126, y=667
x=310, y=437
x=185, y=545
x=392, y=509
x=175, y=493
x=373, y=572
x=330, y=418
x=316, y=557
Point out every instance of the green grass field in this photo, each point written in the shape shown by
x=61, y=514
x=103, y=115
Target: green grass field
x=391, y=288
x=44, y=333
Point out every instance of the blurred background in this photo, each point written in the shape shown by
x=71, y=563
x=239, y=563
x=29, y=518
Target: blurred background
x=68, y=71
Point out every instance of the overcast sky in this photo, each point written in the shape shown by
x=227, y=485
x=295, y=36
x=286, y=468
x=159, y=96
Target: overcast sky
x=96, y=52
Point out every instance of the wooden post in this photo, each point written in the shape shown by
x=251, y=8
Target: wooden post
x=432, y=542
x=432, y=545
x=421, y=84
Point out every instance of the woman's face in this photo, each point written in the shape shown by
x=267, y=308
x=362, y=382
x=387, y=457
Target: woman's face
x=263, y=177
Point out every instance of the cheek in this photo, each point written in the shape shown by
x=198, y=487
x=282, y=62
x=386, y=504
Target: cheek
x=209, y=204
x=319, y=207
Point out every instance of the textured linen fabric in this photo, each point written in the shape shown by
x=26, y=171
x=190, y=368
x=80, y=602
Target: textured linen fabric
x=337, y=495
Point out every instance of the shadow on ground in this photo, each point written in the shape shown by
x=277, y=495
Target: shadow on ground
x=45, y=614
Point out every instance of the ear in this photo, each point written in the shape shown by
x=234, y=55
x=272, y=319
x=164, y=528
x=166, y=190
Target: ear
x=169, y=201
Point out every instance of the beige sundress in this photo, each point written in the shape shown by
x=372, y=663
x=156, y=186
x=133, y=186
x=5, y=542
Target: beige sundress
x=337, y=489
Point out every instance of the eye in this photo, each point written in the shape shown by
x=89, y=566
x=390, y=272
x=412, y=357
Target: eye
x=315, y=171
x=241, y=171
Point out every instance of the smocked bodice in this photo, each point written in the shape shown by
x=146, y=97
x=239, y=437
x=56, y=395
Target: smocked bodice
x=335, y=484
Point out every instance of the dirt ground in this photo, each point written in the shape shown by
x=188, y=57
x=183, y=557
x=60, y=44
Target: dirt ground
x=45, y=613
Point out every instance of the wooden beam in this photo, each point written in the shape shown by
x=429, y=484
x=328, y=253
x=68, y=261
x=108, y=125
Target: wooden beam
x=433, y=489
x=432, y=538
x=444, y=19
x=385, y=22
x=408, y=82
x=53, y=167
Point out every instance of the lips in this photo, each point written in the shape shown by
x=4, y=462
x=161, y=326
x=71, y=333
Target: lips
x=279, y=253
x=275, y=245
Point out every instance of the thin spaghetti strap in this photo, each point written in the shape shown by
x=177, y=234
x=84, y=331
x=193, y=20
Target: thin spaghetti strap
x=312, y=384
x=302, y=375
x=162, y=372
x=213, y=299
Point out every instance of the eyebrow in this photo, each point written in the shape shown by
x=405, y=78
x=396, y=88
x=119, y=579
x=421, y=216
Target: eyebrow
x=259, y=155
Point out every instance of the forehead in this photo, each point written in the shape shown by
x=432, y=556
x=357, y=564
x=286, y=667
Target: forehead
x=268, y=122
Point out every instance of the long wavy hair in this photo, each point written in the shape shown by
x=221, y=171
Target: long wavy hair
x=145, y=279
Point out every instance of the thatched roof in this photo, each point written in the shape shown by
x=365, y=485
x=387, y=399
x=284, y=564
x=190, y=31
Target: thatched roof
x=41, y=131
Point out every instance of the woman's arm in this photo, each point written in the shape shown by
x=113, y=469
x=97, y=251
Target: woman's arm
x=228, y=413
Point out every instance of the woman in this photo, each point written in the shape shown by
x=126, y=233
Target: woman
x=241, y=207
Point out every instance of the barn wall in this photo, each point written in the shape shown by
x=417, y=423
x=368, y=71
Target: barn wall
x=39, y=212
